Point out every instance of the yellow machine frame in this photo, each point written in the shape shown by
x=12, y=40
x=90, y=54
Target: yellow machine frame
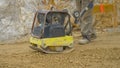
x=57, y=41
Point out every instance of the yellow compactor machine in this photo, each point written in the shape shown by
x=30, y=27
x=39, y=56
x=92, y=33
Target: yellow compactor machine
x=52, y=32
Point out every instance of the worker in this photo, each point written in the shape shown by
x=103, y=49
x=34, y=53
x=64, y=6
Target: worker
x=86, y=21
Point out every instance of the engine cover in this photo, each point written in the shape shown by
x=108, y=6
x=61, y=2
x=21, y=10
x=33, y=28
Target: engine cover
x=54, y=30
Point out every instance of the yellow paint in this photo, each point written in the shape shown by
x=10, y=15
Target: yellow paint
x=57, y=41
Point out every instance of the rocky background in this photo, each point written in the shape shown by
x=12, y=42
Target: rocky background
x=15, y=20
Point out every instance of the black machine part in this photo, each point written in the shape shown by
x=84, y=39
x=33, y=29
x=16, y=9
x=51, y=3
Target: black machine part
x=52, y=28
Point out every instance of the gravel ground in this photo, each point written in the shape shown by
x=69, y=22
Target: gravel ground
x=104, y=52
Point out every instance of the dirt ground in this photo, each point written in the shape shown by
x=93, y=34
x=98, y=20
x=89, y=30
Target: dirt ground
x=104, y=52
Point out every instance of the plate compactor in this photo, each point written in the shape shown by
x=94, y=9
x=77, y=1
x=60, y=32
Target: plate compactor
x=51, y=32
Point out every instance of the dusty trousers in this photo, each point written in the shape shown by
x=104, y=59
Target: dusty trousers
x=85, y=7
x=86, y=27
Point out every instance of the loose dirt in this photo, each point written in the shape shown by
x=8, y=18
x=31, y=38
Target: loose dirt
x=104, y=52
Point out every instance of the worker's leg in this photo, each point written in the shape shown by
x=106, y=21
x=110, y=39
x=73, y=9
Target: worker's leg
x=87, y=30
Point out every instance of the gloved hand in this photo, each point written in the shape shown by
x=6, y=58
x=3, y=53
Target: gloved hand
x=90, y=5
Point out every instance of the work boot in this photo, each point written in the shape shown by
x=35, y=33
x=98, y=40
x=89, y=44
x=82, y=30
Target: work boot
x=91, y=37
x=84, y=41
